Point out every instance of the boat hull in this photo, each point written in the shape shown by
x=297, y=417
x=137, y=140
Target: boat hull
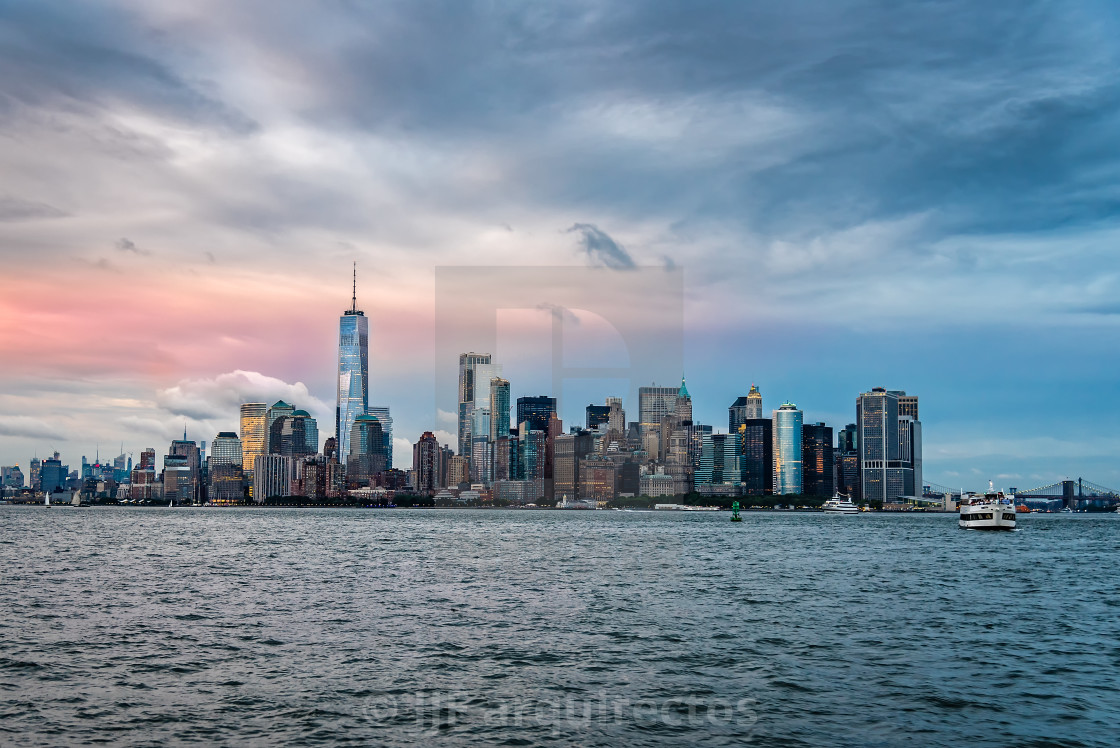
x=987, y=518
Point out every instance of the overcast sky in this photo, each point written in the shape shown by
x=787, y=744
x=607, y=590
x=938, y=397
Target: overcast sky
x=922, y=196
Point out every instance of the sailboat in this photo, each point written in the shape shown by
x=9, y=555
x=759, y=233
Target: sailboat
x=47, y=500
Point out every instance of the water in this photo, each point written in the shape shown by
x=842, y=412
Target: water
x=398, y=627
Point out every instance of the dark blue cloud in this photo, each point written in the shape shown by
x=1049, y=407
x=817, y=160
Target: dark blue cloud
x=90, y=57
x=601, y=249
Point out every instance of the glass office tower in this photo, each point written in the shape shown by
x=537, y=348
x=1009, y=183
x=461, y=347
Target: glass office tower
x=787, y=449
x=535, y=410
x=468, y=378
x=382, y=414
x=353, y=374
x=254, y=433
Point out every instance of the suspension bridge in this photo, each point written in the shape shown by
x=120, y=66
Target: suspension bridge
x=1075, y=494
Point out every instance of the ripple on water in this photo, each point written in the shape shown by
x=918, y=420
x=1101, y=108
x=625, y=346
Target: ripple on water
x=549, y=628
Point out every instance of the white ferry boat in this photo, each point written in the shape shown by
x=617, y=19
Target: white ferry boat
x=840, y=505
x=990, y=511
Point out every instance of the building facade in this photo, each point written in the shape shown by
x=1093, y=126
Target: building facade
x=468, y=365
x=225, y=449
x=720, y=456
x=367, y=451
x=889, y=445
x=272, y=476
x=426, y=463
x=818, y=465
x=499, y=408
x=381, y=413
x=654, y=403
x=594, y=415
x=254, y=431
x=756, y=440
x=787, y=450
x=536, y=410
x=616, y=416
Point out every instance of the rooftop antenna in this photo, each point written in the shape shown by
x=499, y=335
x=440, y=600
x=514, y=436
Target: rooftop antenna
x=354, y=298
x=184, y=430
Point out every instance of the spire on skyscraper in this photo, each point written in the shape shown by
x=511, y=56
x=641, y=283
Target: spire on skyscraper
x=354, y=297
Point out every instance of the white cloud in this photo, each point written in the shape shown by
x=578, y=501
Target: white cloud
x=445, y=417
x=222, y=396
x=402, y=453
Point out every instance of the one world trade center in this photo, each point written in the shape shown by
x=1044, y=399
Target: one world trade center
x=353, y=372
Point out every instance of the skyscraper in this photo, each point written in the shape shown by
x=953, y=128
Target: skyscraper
x=847, y=439
x=382, y=414
x=754, y=403
x=426, y=462
x=568, y=450
x=653, y=404
x=458, y=471
x=847, y=461
x=745, y=407
x=12, y=477
x=468, y=362
x=278, y=411
x=595, y=415
x=272, y=476
x=757, y=445
x=52, y=476
x=536, y=410
x=254, y=431
x=367, y=450
x=481, y=456
x=818, y=466
x=889, y=444
x=310, y=431
x=719, y=463
x=907, y=405
x=737, y=414
x=181, y=471
x=616, y=420
x=499, y=408
x=787, y=449
x=910, y=452
x=682, y=406
x=353, y=372
x=531, y=460
x=224, y=450
x=225, y=475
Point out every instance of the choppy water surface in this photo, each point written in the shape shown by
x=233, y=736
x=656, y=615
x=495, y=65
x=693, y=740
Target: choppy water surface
x=393, y=627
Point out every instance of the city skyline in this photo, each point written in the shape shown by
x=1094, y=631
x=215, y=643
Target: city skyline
x=490, y=369
x=179, y=213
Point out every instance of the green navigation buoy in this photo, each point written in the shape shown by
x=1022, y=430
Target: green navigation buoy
x=735, y=512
